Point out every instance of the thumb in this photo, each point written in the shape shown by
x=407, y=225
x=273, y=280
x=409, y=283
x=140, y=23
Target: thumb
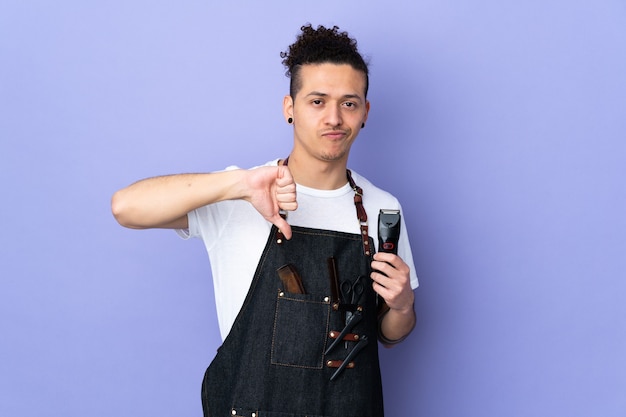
x=282, y=225
x=284, y=176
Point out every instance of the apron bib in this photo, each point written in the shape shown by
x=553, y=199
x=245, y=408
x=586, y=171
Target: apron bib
x=279, y=359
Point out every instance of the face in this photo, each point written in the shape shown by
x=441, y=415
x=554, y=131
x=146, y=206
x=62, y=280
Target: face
x=328, y=111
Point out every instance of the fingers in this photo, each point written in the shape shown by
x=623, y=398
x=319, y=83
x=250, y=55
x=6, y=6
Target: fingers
x=387, y=257
x=286, y=200
x=391, y=265
x=391, y=278
x=397, y=298
x=286, y=190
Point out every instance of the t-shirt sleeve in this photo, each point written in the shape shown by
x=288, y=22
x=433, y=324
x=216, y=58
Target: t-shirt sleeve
x=193, y=220
x=405, y=252
x=208, y=222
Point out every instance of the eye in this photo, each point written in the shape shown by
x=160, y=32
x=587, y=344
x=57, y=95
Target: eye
x=317, y=102
x=349, y=104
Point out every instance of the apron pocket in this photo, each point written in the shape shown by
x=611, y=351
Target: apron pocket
x=300, y=329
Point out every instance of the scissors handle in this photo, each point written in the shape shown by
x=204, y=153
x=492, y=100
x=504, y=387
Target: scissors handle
x=357, y=290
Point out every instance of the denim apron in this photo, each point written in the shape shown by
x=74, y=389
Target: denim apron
x=279, y=359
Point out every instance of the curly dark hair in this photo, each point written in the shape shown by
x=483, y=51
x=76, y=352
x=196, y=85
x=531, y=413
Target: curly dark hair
x=318, y=46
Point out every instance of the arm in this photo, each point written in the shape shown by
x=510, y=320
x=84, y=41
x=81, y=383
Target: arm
x=392, y=282
x=163, y=202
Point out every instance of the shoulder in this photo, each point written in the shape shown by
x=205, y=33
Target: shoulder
x=374, y=194
x=272, y=163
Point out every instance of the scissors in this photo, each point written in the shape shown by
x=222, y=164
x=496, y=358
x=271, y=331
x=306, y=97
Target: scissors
x=351, y=292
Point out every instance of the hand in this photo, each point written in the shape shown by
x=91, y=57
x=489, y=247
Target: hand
x=272, y=189
x=392, y=281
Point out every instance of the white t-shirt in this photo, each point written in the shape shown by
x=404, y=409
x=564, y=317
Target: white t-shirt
x=235, y=234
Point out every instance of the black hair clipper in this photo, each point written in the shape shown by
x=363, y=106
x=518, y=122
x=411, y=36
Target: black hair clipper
x=388, y=230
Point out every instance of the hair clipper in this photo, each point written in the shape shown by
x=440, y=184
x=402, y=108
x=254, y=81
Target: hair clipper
x=388, y=230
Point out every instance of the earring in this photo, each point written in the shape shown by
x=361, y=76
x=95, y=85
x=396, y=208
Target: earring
x=362, y=125
x=290, y=120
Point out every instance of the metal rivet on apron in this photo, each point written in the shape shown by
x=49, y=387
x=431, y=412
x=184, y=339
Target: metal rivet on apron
x=367, y=253
x=233, y=412
x=332, y=334
x=326, y=299
x=253, y=414
x=281, y=294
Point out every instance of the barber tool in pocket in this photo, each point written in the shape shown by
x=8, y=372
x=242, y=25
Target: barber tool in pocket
x=351, y=293
x=291, y=280
x=354, y=319
x=346, y=362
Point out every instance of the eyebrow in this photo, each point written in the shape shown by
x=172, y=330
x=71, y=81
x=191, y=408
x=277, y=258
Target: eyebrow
x=320, y=94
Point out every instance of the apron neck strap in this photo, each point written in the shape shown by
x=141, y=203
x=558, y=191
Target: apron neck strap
x=360, y=210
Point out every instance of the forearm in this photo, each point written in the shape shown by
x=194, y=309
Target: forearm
x=165, y=201
x=396, y=325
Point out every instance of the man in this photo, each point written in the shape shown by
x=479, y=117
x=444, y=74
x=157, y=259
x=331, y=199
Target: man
x=301, y=296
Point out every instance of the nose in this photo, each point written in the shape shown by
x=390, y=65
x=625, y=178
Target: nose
x=333, y=116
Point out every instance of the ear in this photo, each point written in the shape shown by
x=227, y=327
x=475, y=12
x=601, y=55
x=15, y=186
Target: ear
x=367, y=110
x=288, y=107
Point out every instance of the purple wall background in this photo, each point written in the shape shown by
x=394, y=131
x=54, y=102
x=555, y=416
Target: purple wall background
x=501, y=127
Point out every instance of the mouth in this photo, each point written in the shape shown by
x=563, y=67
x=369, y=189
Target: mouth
x=335, y=134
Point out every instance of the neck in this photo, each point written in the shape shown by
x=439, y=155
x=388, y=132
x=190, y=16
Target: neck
x=321, y=175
